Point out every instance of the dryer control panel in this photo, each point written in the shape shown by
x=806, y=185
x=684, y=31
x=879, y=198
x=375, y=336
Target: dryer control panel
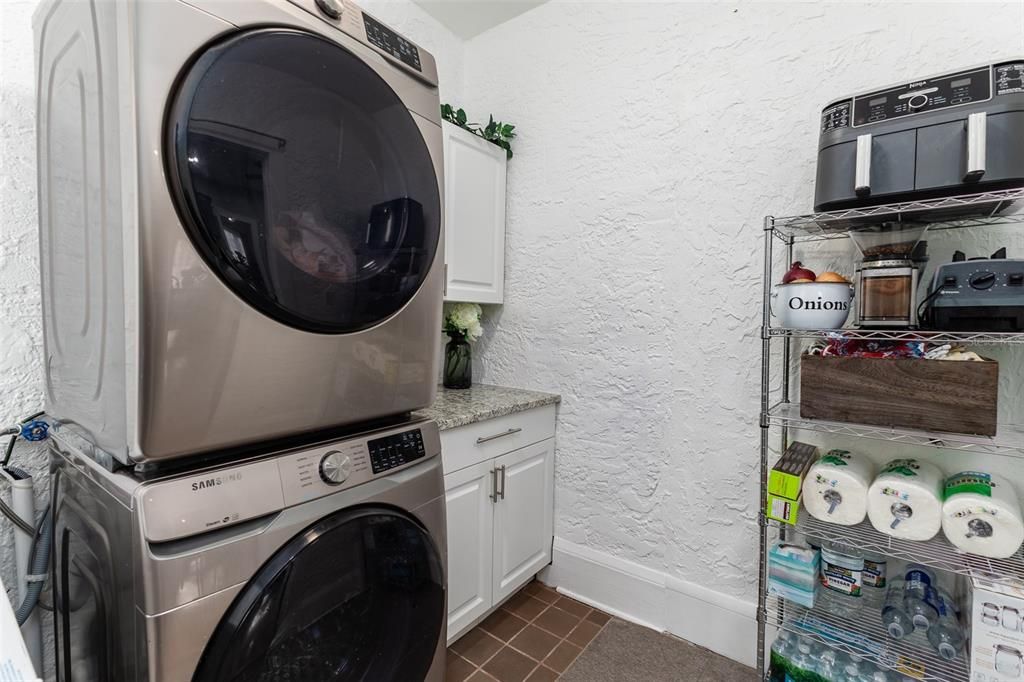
x=398, y=47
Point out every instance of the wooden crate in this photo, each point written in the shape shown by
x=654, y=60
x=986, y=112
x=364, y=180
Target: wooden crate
x=929, y=395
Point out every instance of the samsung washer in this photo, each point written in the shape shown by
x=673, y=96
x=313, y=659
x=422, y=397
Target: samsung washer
x=240, y=221
x=325, y=563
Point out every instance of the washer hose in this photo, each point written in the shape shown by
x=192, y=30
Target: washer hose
x=38, y=564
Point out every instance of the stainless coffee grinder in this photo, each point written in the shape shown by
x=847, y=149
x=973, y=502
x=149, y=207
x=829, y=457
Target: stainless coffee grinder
x=893, y=256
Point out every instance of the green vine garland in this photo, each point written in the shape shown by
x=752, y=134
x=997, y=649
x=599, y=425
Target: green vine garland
x=495, y=132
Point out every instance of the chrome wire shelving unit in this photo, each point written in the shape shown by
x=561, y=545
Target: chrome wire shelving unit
x=852, y=626
x=939, y=553
x=1009, y=442
x=831, y=622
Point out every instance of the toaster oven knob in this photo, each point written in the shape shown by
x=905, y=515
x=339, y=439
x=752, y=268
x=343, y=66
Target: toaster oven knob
x=335, y=468
x=982, y=280
x=918, y=101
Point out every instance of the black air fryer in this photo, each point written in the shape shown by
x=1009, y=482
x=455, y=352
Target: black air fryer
x=958, y=133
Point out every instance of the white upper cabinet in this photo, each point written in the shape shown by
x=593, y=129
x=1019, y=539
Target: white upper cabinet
x=474, y=183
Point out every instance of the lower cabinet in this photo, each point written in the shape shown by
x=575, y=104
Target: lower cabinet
x=500, y=527
x=523, y=517
x=470, y=513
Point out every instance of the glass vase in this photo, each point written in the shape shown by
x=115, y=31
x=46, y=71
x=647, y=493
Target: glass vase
x=458, y=362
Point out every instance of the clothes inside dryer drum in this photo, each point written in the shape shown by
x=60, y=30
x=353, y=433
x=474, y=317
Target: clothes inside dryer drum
x=303, y=180
x=358, y=596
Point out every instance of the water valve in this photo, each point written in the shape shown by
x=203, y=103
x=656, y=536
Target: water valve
x=35, y=430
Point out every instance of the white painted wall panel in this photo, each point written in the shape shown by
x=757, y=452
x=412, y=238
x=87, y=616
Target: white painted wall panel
x=653, y=137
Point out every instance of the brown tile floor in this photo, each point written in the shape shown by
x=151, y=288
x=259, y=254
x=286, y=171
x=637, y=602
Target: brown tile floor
x=535, y=636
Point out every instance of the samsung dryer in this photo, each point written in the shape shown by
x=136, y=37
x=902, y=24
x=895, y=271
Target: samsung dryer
x=240, y=221
x=325, y=563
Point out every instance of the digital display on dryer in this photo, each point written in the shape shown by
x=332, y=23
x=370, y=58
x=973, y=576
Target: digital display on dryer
x=398, y=47
x=395, y=450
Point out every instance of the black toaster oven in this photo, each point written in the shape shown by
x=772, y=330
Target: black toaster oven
x=958, y=133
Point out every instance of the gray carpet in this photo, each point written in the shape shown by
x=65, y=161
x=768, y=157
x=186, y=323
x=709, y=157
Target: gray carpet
x=625, y=652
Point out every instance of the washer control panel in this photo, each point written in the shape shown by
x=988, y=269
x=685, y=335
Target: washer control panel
x=180, y=506
x=396, y=450
x=312, y=473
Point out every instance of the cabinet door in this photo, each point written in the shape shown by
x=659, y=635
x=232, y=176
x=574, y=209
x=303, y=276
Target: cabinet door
x=470, y=515
x=474, y=180
x=524, y=516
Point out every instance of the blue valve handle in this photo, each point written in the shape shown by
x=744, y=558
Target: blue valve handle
x=35, y=430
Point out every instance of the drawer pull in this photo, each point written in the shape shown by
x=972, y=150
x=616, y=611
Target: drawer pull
x=862, y=170
x=497, y=435
x=975, y=147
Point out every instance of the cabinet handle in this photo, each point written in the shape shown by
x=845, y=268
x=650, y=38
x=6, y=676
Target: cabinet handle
x=502, y=493
x=976, y=124
x=862, y=173
x=497, y=435
x=494, y=486
x=444, y=293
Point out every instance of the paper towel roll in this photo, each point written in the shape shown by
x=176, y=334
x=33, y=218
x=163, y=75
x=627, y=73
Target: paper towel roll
x=905, y=501
x=982, y=514
x=836, y=487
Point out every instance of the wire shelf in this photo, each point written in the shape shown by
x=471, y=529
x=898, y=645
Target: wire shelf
x=853, y=625
x=1009, y=442
x=939, y=553
x=899, y=335
x=973, y=210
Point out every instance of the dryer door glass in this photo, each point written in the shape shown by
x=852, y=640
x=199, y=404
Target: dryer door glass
x=303, y=180
x=358, y=596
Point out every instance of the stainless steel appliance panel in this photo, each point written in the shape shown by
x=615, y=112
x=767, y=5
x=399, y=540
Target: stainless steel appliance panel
x=172, y=361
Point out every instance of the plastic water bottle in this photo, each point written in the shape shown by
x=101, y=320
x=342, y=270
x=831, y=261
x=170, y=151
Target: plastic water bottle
x=782, y=650
x=804, y=658
x=920, y=597
x=830, y=663
x=897, y=621
x=784, y=644
x=850, y=673
x=946, y=635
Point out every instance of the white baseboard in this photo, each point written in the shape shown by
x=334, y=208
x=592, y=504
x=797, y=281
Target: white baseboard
x=654, y=599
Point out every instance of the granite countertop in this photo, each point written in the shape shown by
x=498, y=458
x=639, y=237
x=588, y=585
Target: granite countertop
x=458, y=407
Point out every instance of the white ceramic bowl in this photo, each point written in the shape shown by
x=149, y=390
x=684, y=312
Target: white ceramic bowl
x=812, y=305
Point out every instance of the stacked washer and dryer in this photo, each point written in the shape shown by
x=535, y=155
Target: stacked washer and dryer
x=240, y=219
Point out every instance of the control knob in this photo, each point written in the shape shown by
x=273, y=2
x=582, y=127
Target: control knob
x=982, y=280
x=332, y=8
x=335, y=467
x=917, y=101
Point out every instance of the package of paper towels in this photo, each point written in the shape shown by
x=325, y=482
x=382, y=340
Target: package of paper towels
x=981, y=514
x=836, y=487
x=905, y=501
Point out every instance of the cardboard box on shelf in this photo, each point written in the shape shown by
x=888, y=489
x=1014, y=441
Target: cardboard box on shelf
x=996, y=638
x=786, y=479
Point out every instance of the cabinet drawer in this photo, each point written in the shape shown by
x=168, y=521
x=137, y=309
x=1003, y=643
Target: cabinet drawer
x=467, y=445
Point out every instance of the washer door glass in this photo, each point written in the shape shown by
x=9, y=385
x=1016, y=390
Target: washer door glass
x=358, y=596
x=303, y=180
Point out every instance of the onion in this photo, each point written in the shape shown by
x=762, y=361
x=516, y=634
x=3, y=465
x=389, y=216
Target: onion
x=797, y=271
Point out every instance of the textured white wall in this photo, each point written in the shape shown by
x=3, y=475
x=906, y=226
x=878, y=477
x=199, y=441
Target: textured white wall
x=653, y=138
x=20, y=319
